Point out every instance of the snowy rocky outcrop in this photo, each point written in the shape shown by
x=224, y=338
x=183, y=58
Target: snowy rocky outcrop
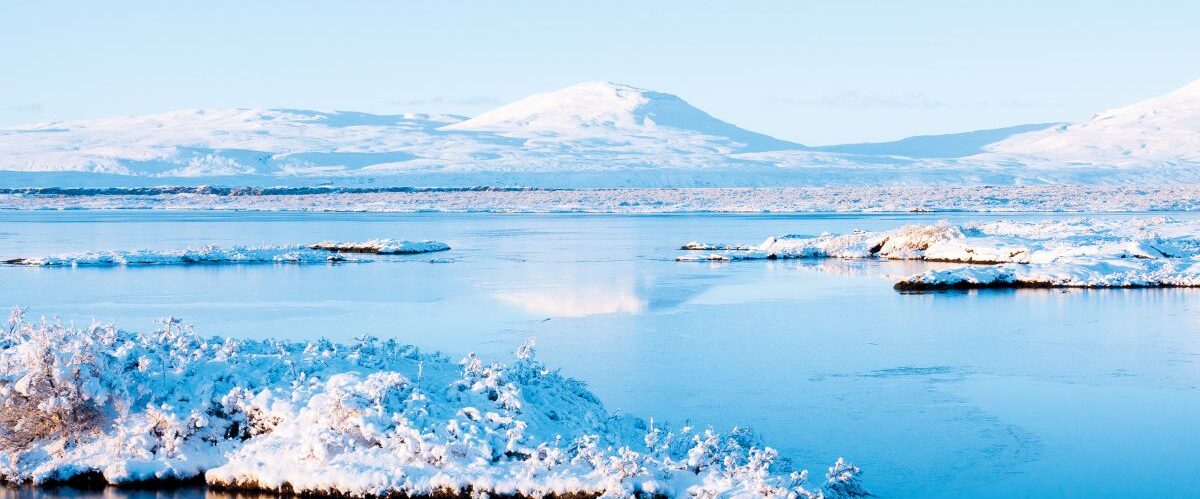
x=1154, y=252
x=1075, y=273
x=383, y=246
x=201, y=255
x=371, y=418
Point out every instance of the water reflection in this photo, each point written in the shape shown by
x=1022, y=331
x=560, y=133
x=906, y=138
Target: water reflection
x=575, y=301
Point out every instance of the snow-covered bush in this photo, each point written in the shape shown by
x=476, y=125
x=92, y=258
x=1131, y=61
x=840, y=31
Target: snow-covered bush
x=370, y=418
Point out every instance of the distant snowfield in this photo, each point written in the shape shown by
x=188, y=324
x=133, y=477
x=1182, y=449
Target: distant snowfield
x=370, y=419
x=1045, y=198
x=590, y=135
x=1081, y=253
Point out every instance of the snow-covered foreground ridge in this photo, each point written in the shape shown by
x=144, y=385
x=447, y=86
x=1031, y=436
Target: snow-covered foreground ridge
x=593, y=134
x=371, y=418
x=1154, y=252
x=322, y=252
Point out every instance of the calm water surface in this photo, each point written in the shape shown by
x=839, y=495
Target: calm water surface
x=1027, y=393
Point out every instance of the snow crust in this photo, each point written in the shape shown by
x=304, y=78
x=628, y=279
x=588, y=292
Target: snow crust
x=202, y=255
x=370, y=418
x=1153, y=252
x=383, y=246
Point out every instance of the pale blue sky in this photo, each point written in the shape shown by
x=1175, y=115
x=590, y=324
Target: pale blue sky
x=813, y=72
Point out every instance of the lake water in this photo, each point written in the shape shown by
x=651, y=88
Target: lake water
x=1026, y=393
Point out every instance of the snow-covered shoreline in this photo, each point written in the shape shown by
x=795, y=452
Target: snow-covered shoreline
x=371, y=418
x=1033, y=198
x=1153, y=252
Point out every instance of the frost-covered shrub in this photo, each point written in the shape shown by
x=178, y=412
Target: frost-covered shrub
x=370, y=418
x=52, y=386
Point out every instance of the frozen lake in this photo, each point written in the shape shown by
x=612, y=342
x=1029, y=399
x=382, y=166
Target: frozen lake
x=1030, y=393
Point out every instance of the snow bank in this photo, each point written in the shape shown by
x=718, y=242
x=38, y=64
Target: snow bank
x=371, y=418
x=1154, y=252
x=383, y=246
x=201, y=255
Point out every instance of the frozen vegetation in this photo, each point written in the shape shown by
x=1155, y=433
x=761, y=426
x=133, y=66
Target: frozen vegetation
x=1154, y=252
x=1047, y=198
x=383, y=246
x=370, y=418
x=201, y=255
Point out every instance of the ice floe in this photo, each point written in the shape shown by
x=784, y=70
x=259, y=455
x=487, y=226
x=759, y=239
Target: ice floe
x=383, y=246
x=375, y=417
x=1152, y=252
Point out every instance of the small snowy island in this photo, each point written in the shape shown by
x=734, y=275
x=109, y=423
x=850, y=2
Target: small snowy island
x=372, y=418
x=1085, y=253
x=383, y=246
x=322, y=252
x=209, y=254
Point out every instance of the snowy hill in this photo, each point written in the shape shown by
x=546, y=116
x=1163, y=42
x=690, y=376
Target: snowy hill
x=604, y=110
x=1163, y=130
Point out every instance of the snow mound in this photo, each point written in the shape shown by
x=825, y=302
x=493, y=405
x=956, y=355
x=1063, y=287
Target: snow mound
x=1161, y=130
x=373, y=418
x=1154, y=252
x=202, y=255
x=383, y=246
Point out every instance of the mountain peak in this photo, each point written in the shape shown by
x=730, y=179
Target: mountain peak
x=597, y=108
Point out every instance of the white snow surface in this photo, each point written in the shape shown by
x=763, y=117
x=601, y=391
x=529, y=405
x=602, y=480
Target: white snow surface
x=594, y=134
x=383, y=246
x=1083, y=252
x=202, y=255
x=370, y=418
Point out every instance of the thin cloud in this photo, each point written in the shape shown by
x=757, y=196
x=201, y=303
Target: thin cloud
x=858, y=100
x=479, y=100
x=27, y=108
x=911, y=100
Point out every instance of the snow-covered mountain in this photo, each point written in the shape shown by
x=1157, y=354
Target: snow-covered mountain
x=1163, y=130
x=587, y=135
x=600, y=110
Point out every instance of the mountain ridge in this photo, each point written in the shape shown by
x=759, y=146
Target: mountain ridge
x=598, y=133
